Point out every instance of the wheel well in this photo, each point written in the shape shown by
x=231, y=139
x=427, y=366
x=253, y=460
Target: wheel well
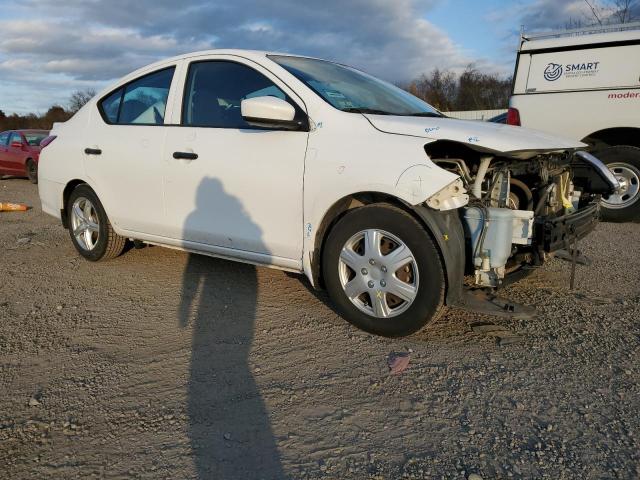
x=65, y=199
x=337, y=211
x=614, y=136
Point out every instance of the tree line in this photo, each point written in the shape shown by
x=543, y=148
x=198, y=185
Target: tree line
x=45, y=121
x=470, y=90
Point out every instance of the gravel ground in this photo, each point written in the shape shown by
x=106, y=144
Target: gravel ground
x=161, y=364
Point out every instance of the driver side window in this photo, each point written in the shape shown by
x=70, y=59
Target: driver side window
x=215, y=90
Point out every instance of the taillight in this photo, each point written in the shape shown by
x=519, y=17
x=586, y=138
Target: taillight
x=513, y=117
x=47, y=141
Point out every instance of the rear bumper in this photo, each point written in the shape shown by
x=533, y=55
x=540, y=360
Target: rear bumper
x=560, y=233
x=50, y=196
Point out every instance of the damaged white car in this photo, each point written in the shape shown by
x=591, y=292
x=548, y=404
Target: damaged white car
x=314, y=167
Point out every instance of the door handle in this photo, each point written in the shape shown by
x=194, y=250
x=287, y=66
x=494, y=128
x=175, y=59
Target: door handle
x=185, y=156
x=93, y=151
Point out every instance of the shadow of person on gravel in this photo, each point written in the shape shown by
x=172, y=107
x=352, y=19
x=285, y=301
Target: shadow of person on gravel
x=229, y=426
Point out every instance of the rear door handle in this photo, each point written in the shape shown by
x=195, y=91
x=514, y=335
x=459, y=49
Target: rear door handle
x=185, y=156
x=93, y=151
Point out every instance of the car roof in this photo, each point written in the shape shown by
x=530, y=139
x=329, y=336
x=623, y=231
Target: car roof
x=248, y=54
x=629, y=32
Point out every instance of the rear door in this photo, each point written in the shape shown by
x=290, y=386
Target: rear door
x=123, y=151
x=4, y=142
x=15, y=155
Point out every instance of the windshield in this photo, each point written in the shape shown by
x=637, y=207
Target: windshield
x=34, y=139
x=350, y=90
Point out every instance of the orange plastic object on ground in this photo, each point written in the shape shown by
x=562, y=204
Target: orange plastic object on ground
x=13, y=207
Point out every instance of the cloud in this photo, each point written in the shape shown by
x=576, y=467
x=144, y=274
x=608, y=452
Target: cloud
x=554, y=14
x=78, y=41
x=560, y=14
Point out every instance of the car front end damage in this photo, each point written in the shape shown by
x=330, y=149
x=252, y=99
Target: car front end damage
x=523, y=208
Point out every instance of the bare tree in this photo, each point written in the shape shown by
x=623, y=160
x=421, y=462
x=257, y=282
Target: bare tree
x=438, y=88
x=624, y=10
x=471, y=90
x=613, y=11
x=79, y=98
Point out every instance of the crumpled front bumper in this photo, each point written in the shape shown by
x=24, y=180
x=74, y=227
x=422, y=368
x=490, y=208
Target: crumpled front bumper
x=562, y=232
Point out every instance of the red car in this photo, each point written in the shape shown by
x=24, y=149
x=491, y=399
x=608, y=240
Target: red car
x=20, y=151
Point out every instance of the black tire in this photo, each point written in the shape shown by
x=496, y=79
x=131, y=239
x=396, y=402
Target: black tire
x=429, y=300
x=32, y=171
x=109, y=244
x=628, y=158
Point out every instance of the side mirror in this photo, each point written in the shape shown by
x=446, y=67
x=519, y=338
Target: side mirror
x=269, y=112
x=15, y=144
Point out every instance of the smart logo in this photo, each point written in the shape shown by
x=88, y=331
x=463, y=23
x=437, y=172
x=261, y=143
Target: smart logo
x=553, y=72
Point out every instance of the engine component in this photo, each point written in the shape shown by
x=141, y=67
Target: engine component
x=482, y=171
x=451, y=197
x=520, y=195
x=492, y=232
x=500, y=189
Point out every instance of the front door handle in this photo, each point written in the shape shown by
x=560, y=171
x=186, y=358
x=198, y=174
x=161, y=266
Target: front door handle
x=185, y=156
x=93, y=151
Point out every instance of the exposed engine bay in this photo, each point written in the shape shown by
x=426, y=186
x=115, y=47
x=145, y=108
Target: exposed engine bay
x=522, y=210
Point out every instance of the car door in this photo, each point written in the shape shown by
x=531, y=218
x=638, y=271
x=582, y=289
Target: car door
x=16, y=153
x=123, y=151
x=243, y=193
x=4, y=145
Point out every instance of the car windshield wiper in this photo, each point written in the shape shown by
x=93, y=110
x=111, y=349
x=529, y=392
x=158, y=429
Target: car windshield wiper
x=371, y=111
x=425, y=114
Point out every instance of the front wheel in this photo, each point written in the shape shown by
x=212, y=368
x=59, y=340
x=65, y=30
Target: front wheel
x=383, y=271
x=624, y=163
x=89, y=227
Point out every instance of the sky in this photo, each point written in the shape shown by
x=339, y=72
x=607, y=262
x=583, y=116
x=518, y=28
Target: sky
x=50, y=48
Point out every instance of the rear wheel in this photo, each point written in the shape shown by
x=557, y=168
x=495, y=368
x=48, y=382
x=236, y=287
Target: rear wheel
x=383, y=271
x=32, y=171
x=89, y=227
x=624, y=163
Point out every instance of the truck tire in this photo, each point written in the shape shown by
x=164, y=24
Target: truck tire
x=89, y=227
x=624, y=163
x=383, y=271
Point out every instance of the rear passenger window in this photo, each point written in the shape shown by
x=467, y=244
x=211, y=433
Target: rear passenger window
x=15, y=137
x=141, y=102
x=4, y=138
x=111, y=106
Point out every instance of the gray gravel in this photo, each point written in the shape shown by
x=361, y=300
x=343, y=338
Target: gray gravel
x=164, y=365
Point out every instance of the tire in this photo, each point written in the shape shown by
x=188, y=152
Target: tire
x=89, y=227
x=422, y=277
x=32, y=171
x=624, y=162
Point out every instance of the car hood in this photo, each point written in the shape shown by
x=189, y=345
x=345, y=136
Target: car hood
x=494, y=138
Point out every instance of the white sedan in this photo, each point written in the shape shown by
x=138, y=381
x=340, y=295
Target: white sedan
x=314, y=167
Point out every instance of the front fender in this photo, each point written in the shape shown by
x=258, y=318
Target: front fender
x=419, y=182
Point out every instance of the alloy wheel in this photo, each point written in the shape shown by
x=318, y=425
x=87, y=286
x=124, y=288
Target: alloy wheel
x=85, y=223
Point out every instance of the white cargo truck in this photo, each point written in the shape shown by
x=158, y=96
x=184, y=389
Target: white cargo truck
x=585, y=84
